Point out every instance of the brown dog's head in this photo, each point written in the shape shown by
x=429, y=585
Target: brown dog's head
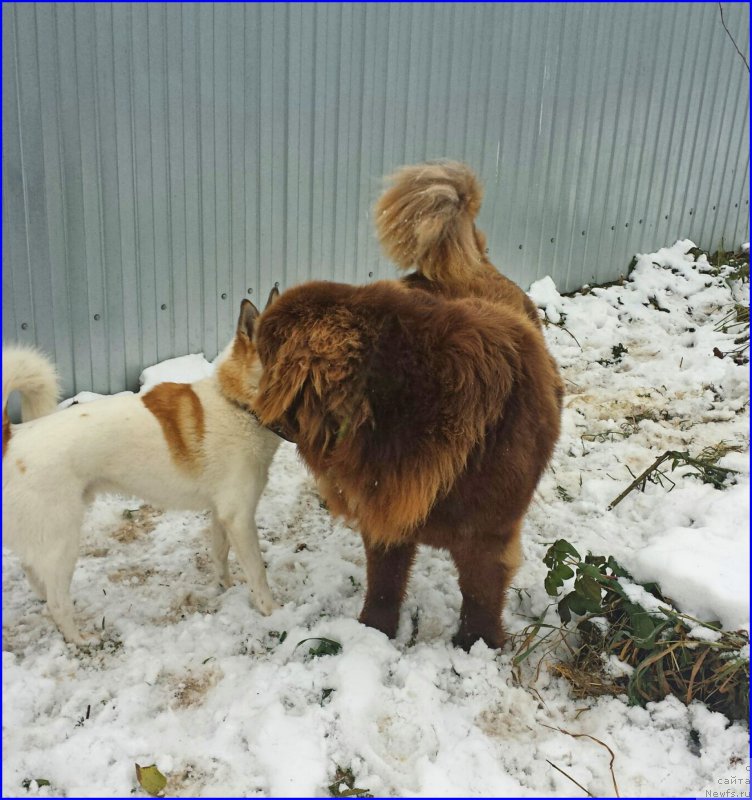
x=384, y=390
x=311, y=347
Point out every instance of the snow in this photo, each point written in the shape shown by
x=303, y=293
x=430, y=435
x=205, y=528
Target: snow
x=183, y=369
x=226, y=705
x=615, y=667
x=85, y=397
x=545, y=295
x=687, y=554
x=637, y=594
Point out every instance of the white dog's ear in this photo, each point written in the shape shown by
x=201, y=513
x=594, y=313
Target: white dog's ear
x=247, y=319
x=273, y=295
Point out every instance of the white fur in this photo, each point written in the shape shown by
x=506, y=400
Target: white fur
x=29, y=372
x=54, y=466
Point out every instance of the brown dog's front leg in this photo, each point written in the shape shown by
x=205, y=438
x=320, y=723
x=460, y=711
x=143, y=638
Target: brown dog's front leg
x=388, y=571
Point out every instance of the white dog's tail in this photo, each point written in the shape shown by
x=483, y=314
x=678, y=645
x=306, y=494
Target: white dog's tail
x=30, y=373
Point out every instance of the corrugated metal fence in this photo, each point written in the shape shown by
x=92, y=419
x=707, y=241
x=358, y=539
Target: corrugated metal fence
x=161, y=161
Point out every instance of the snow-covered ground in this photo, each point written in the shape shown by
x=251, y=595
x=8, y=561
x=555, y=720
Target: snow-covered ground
x=226, y=704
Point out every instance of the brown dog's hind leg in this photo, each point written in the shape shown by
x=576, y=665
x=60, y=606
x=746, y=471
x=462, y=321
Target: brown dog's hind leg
x=388, y=571
x=485, y=567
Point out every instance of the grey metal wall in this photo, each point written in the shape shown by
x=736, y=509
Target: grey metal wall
x=161, y=161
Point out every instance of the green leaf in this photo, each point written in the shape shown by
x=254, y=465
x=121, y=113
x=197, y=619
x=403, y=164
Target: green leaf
x=325, y=647
x=591, y=571
x=642, y=623
x=617, y=568
x=551, y=584
x=563, y=571
x=593, y=606
x=563, y=547
x=39, y=782
x=611, y=584
x=577, y=603
x=151, y=779
x=588, y=588
x=565, y=614
x=551, y=558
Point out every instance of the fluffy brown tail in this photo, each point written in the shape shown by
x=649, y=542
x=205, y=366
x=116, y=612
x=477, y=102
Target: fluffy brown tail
x=27, y=371
x=426, y=219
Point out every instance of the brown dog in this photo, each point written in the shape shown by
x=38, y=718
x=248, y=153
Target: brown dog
x=428, y=408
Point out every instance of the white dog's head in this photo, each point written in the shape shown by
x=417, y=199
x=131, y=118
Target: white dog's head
x=239, y=369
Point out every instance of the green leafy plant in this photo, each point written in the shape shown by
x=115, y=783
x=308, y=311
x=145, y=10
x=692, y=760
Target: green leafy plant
x=596, y=588
x=657, y=646
x=618, y=351
x=323, y=647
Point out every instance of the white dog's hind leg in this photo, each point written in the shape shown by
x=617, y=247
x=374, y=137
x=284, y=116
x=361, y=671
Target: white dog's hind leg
x=55, y=571
x=36, y=584
x=219, y=547
x=240, y=527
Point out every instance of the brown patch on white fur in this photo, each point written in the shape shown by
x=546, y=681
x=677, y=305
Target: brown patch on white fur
x=21, y=466
x=180, y=413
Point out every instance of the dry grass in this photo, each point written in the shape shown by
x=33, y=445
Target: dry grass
x=132, y=575
x=137, y=523
x=191, y=688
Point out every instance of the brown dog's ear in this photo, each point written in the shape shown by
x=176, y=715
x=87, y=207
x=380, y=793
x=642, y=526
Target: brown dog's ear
x=273, y=295
x=247, y=319
x=279, y=386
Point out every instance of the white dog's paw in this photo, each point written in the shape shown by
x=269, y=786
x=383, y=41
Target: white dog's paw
x=266, y=605
x=83, y=639
x=224, y=582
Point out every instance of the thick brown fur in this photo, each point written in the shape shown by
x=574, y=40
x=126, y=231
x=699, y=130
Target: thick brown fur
x=428, y=408
x=426, y=220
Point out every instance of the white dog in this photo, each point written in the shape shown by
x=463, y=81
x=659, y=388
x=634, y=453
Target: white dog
x=179, y=446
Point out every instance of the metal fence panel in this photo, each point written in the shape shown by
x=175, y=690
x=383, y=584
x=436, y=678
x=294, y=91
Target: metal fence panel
x=163, y=160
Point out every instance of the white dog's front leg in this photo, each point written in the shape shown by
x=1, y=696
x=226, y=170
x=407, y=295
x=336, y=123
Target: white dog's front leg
x=240, y=528
x=219, y=548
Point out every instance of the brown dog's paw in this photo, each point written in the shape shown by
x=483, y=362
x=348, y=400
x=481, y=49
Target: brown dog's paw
x=465, y=639
x=381, y=619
